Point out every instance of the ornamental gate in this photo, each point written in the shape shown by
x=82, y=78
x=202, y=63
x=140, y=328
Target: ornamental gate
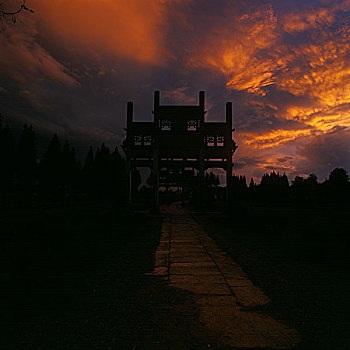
x=178, y=139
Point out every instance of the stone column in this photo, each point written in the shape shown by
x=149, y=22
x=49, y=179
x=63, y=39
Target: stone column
x=229, y=177
x=155, y=178
x=201, y=170
x=129, y=182
x=201, y=156
x=130, y=145
x=202, y=99
x=228, y=142
x=156, y=100
x=155, y=145
x=202, y=105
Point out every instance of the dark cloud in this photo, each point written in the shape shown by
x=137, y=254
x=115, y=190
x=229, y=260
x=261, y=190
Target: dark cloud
x=325, y=152
x=259, y=118
x=284, y=159
x=244, y=162
x=24, y=60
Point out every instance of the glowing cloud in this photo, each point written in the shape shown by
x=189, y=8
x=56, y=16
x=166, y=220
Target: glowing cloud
x=24, y=60
x=238, y=53
x=262, y=50
x=286, y=69
x=132, y=29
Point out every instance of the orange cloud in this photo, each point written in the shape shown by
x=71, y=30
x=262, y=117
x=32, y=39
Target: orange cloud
x=292, y=69
x=237, y=52
x=24, y=60
x=296, y=22
x=322, y=73
x=249, y=51
x=253, y=55
x=272, y=138
x=132, y=29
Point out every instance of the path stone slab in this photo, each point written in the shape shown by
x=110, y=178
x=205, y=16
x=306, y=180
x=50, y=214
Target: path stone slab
x=162, y=260
x=161, y=252
x=189, y=255
x=190, y=259
x=250, y=296
x=163, y=246
x=188, y=240
x=203, y=288
x=238, y=281
x=197, y=278
x=159, y=271
x=194, y=264
x=188, y=246
x=231, y=270
x=177, y=250
x=189, y=270
x=227, y=301
x=207, y=279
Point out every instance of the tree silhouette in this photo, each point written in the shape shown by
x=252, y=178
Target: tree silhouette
x=70, y=168
x=211, y=180
x=102, y=169
x=239, y=187
x=298, y=181
x=336, y=189
x=26, y=161
x=274, y=180
x=135, y=180
x=252, y=184
x=312, y=180
x=305, y=190
x=338, y=177
x=7, y=156
x=88, y=172
x=105, y=174
x=51, y=175
x=118, y=172
x=273, y=187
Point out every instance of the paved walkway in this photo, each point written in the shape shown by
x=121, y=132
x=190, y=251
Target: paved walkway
x=227, y=300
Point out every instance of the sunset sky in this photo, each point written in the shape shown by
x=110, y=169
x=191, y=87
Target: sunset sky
x=71, y=66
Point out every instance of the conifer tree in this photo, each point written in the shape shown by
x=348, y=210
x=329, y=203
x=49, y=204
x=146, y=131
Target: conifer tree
x=26, y=161
x=7, y=158
x=70, y=168
x=88, y=175
x=118, y=173
x=338, y=177
x=51, y=175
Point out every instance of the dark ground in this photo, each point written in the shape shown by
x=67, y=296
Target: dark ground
x=64, y=265
x=73, y=276
x=300, y=258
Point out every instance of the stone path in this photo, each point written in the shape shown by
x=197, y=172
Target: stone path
x=228, y=302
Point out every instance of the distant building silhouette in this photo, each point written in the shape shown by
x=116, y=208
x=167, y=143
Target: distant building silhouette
x=178, y=141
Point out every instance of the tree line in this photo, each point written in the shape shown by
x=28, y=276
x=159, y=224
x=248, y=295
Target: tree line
x=58, y=173
x=276, y=188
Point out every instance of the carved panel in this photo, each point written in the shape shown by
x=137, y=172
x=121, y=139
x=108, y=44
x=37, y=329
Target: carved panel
x=165, y=125
x=210, y=141
x=192, y=125
x=220, y=140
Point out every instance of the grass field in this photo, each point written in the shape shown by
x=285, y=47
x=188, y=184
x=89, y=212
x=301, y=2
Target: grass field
x=73, y=274
x=300, y=258
x=60, y=264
